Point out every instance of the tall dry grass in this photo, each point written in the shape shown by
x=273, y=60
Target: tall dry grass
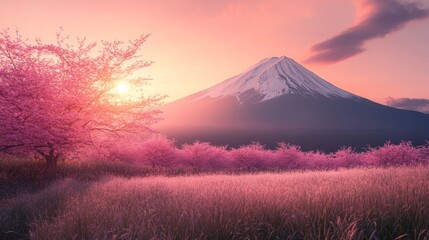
x=389, y=203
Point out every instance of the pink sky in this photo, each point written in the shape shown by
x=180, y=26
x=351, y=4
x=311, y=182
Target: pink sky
x=196, y=44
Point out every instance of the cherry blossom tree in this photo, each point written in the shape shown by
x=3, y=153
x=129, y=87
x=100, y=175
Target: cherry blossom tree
x=58, y=98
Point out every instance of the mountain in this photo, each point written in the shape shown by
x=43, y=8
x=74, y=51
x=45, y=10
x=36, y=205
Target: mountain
x=274, y=77
x=279, y=100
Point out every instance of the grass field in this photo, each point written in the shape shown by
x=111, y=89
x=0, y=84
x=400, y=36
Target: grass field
x=377, y=203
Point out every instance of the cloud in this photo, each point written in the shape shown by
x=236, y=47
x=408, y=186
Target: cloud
x=415, y=104
x=377, y=18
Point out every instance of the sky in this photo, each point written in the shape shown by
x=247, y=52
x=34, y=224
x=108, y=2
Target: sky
x=377, y=49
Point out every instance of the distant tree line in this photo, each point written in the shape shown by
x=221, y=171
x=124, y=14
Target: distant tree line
x=161, y=152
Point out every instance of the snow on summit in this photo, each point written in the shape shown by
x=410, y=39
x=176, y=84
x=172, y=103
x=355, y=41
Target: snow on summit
x=273, y=77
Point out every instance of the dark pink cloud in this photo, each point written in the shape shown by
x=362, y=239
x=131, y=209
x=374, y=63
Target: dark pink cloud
x=415, y=104
x=381, y=17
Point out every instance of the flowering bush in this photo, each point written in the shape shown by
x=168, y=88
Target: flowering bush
x=204, y=156
x=394, y=155
x=157, y=152
x=251, y=157
x=288, y=157
x=346, y=157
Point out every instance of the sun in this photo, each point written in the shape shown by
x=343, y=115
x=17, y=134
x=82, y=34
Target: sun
x=122, y=87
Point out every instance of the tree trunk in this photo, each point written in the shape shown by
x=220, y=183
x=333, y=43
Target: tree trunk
x=51, y=163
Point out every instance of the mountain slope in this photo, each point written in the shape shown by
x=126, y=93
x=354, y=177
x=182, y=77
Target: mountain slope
x=274, y=77
x=280, y=100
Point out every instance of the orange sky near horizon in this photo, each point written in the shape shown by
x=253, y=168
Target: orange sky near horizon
x=196, y=44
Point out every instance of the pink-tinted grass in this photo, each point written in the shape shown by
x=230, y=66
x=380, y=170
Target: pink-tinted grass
x=377, y=203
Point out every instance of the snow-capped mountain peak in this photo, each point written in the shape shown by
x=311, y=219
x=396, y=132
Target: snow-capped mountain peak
x=274, y=77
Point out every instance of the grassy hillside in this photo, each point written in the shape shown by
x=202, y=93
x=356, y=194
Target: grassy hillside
x=390, y=203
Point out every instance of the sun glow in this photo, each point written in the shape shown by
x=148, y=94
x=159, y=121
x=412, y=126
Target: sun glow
x=122, y=88
x=125, y=91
